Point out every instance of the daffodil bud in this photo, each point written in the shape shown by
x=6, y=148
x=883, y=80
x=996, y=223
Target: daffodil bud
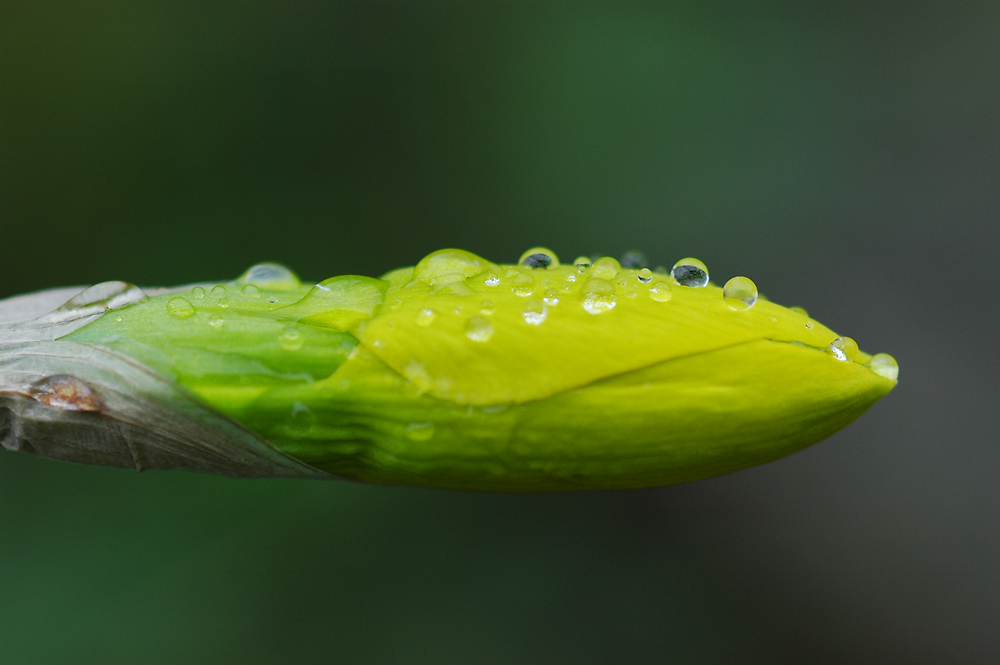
x=456, y=373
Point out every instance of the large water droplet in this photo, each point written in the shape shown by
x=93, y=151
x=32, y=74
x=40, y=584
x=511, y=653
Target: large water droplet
x=605, y=268
x=843, y=348
x=645, y=275
x=425, y=317
x=219, y=291
x=450, y=265
x=660, y=291
x=250, y=291
x=180, y=307
x=420, y=431
x=478, y=329
x=291, y=339
x=599, y=296
x=271, y=276
x=103, y=297
x=740, y=293
x=198, y=292
x=884, y=365
x=634, y=260
x=524, y=285
x=539, y=257
x=690, y=272
x=535, y=312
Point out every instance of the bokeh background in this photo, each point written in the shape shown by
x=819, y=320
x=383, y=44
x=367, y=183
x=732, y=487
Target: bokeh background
x=846, y=157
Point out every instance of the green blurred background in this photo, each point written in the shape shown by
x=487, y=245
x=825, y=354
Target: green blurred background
x=846, y=157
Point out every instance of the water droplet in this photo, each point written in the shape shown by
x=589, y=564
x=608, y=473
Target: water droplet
x=291, y=339
x=645, y=275
x=774, y=319
x=216, y=321
x=272, y=299
x=799, y=310
x=223, y=303
x=302, y=419
x=539, y=257
x=425, y=317
x=119, y=318
x=622, y=279
x=180, y=307
x=198, y=292
x=599, y=296
x=487, y=308
x=272, y=276
x=634, y=259
x=690, y=272
x=843, y=348
x=250, y=291
x=660, y=291
x=479, y=329
x=65, y=392
x=219, y=291
x=450, y=265
x=884, y=365
x=524, y=285
x=631, y=290
x=491, y=279
x=103, y=297
x=605, y=268
x=740, y=293
x=809, y=325
x=582, y=262
x=551, y=298
x=419, y=431
x=535, y=312
x=661, y=270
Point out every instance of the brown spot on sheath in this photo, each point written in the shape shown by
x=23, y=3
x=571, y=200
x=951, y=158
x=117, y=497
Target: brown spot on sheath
x=66, y=392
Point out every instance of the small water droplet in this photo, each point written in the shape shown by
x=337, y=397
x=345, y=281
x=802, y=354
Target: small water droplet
x=425, y=317
x=582, y=262
x=809, y=325
x=302, y=419
x=119, y=318
x=419, y=431
x=799, y=310
x=198, y=292
x=740, y=293
x=551, y=298
x=491, y=279
x=535, y=312
x=661, y=270
x=884, y=365
x=634, y=259
x=223, y=303
x=539, y=257
x=291, y=339
x=180, y=308
x=250, y=291
x=843, y=348
x=605, y=268
x=219, y=291
x=272, y=299
x=478, y=329
x=774, y=319
x=272, y=276
x=645, y=275
x=487, y=308
x=599, y=296
x=660, y=291
x=216, y=321
x=690, y=272
x=631, y=290
x=622, y=279
x=524, y=285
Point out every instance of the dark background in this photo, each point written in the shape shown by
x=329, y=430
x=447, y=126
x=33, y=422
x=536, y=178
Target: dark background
x=847, y=158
